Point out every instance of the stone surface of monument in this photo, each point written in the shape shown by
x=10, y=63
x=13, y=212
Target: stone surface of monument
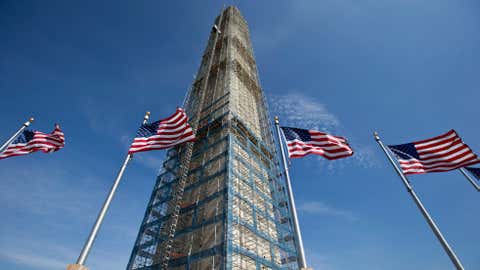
x=228, y=208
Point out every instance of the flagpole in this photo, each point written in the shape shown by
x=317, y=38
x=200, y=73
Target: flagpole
x=474, y=184
x=79, y=265
x=20, y=130
x=426, y=215
x=296, y=226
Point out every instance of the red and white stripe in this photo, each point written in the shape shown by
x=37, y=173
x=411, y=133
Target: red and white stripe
x=439, y=154
x=171, y=131
x=46, y=143
x=328, y=146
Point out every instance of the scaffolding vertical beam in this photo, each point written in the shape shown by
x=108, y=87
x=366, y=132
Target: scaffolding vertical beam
x=224, y=204
x=185, y=161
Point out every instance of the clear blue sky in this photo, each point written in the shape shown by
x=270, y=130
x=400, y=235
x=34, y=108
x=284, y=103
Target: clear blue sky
x=407, y=68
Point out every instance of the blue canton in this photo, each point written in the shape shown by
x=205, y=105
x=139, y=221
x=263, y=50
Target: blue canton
x=148, y=130
x=405, y=151
x=474, y=171
x=296, y=133
x=25, y=137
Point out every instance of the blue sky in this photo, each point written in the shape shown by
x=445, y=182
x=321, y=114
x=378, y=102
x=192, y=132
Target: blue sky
x=408, y=69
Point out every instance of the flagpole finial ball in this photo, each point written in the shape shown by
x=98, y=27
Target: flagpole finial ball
x=375, y=135
x=276, y=119
x=148, y=113
x=31, y=119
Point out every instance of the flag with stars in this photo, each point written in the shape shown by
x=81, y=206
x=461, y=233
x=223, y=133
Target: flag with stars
x=474, y=171
x=301, y=142
x=439, y=154
x=32, y=141
x=163, y=134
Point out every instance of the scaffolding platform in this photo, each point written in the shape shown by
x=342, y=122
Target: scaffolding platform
x=220, y=202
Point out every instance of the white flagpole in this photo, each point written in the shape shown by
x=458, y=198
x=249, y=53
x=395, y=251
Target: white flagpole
x=296, y=225
x=474, y=184
x=426, y=215
x=93, y=234
x=14, y=136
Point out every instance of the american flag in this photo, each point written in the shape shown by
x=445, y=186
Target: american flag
x=474, y=171
x=301, y=142
x=439, y=154
x=163, y=133
x=31, y=141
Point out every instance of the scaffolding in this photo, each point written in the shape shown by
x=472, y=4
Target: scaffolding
x=221, y=203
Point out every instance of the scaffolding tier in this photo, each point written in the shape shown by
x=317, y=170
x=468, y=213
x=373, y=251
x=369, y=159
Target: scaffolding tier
x=221, y=204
